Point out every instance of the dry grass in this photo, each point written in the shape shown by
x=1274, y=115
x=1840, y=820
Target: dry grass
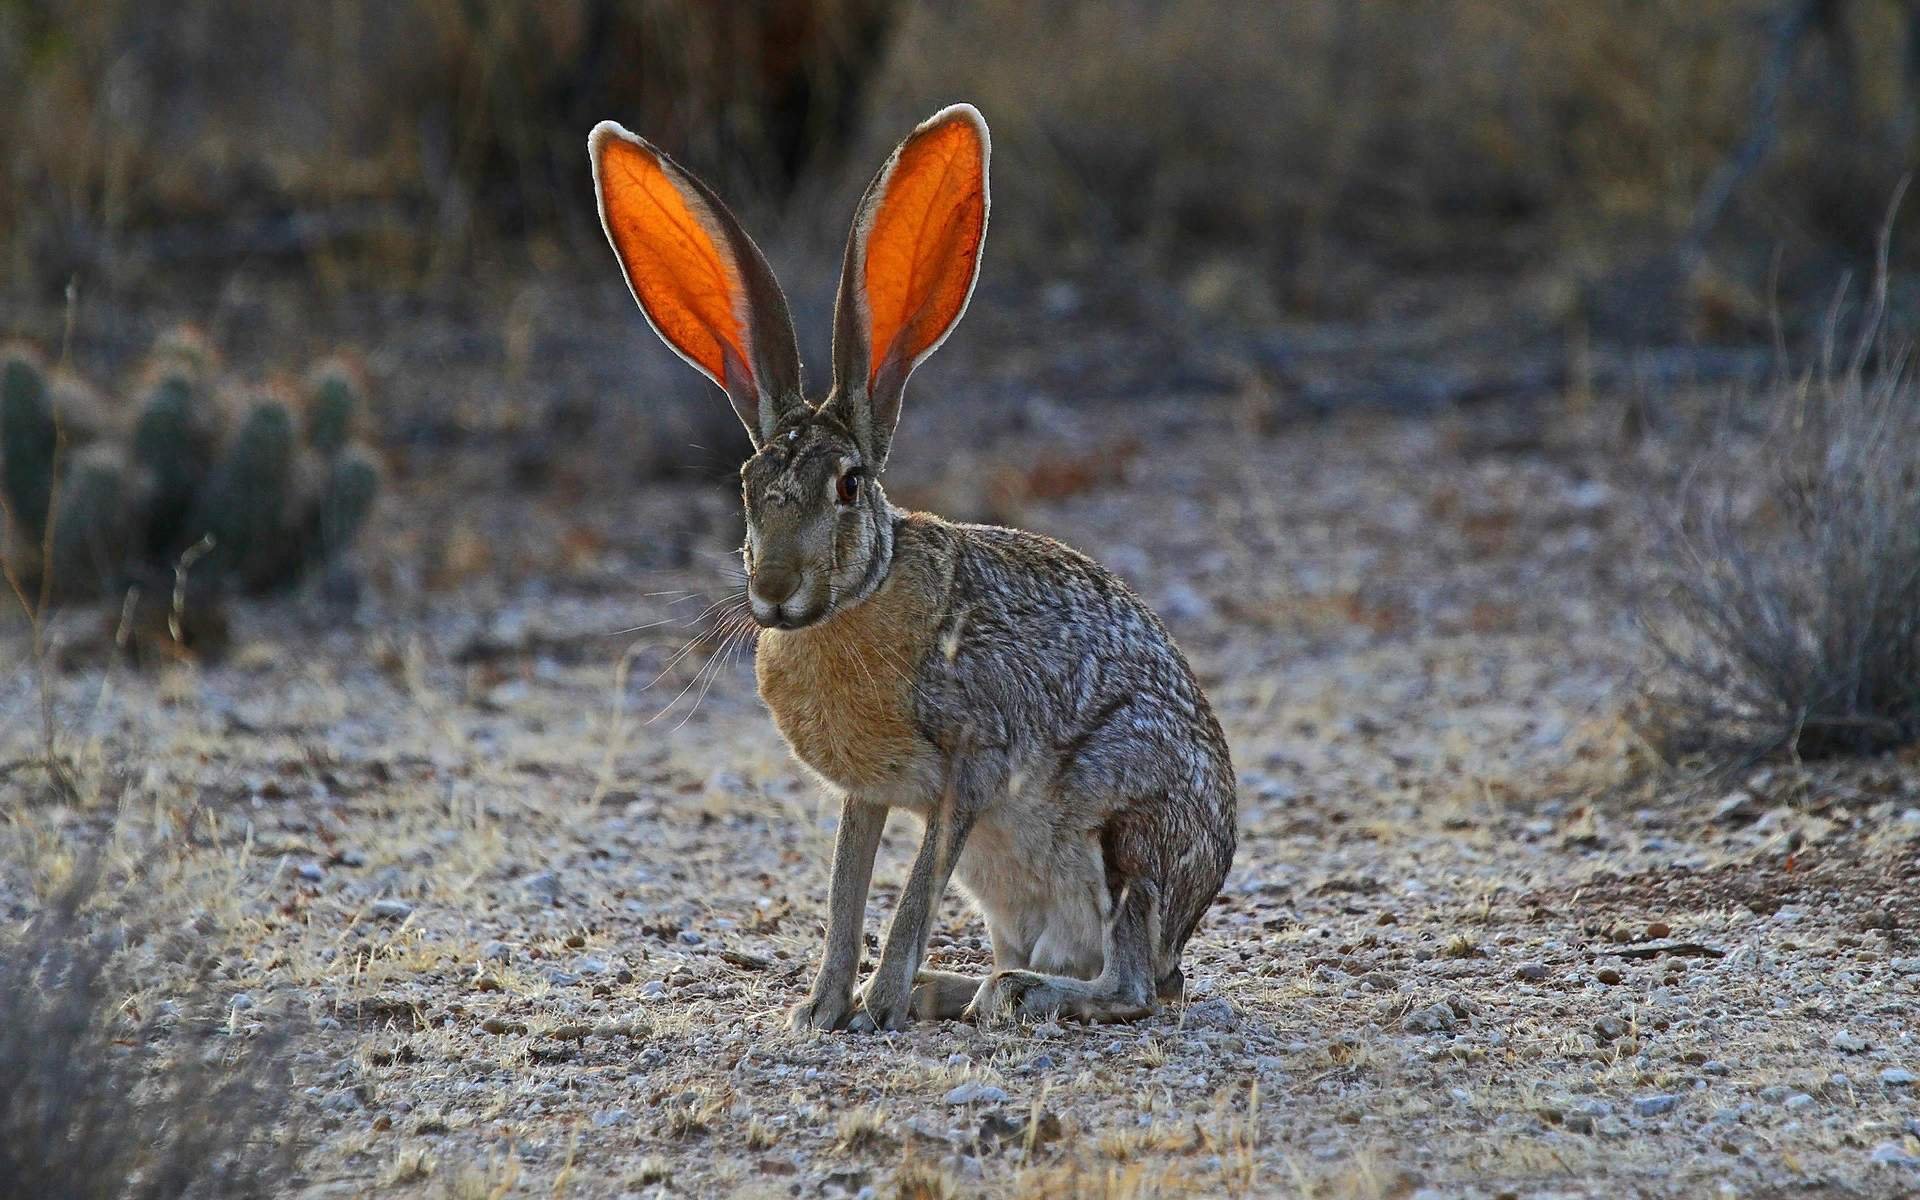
x=1233, y=137
x=116, y=1093
x=1790, y=625
x=1424, y=132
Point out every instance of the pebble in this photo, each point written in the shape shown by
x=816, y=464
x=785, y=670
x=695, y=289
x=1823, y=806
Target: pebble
x=342, y=1101
x=543, y=885
x=593, y=966
x=496, y=952
x=1210, y=1014
x=1897, y=1077
x=689, y=938
x=653, y=989
x=311, y=872
x=391, y=910
x=1714, y=1066
x=1609, y=1029
x=1892, y=1154
x=1798, y=1101
x=1434, y=1018
x=974, y=1092
x=1654, y=1106
x=1848, y=1042
x=1533, y=971
x=613, y=1116
x=241, y=1002
x=1607, y=975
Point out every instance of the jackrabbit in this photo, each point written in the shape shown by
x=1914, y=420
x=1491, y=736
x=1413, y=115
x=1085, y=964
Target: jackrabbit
x=1007, y=690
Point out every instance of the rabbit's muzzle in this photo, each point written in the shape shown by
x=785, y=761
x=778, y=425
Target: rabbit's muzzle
x=779, y=598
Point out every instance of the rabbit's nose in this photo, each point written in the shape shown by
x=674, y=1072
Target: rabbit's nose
x=773, y=586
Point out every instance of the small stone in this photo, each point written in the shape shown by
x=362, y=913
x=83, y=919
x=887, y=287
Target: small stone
x=342, y=1101
x=542, y=885
x=593, y=966
x=496, y=952
x=1657, y=930
x=1798, y=1101
x=975, y=1092
x=1609, y=1029
x=1434, y=1018
x=1210, y=1014
x=1897, y=1077
x=613, y=1116
x=311, y=872
x=1848, y=1042
x=391, y=910
x=1607, y=975
x=1892, y=1154
x=1714, y=1066
x=241, y=1002
x=1654, y=1106
x=653, y=989
x=688, y=937
x=1532, y=972
x=1040, y=1062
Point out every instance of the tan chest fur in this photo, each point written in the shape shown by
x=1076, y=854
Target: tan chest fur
x=841, y=692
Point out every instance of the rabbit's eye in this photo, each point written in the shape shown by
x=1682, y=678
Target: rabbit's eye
x=848, y=488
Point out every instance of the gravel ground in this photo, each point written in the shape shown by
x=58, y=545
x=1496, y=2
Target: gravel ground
x=541, y=926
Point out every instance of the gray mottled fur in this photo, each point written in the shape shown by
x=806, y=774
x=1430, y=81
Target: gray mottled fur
x=1007, y=690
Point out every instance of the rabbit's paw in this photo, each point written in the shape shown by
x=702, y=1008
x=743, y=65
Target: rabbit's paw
x=1016, y=993
x=880, y=1008
x=824, y=1013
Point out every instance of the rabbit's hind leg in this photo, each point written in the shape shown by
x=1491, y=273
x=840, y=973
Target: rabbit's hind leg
x=943, y=995
x=1123, y=991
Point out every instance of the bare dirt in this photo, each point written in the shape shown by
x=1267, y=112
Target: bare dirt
x=539, y=926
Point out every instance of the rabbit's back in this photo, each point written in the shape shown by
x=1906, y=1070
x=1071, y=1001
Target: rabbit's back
x=1064, y=695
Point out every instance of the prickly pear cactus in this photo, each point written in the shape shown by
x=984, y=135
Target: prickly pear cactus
x=268, y=484
x=27, y=440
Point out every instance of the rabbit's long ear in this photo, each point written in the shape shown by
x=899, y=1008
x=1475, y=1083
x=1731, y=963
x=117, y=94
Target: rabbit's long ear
x=702, y=283
x=911, y=264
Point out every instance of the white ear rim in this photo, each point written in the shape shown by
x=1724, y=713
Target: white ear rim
x=596, y=145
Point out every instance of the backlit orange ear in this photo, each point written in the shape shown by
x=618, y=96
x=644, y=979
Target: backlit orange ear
x=703, y=285
x=910, y=268
x=925, y=223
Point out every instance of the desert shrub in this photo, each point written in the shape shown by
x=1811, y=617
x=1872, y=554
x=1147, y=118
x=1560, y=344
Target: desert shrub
x=1787, y=611
x=102, y=1101
x=1278, y=134
x=1457, y=132
x=388, y=135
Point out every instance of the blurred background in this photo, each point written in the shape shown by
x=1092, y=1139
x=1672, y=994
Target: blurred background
x=1250, y=161
x=1294, y=208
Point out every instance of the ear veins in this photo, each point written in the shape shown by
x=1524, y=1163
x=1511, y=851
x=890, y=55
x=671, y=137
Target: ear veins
x=669, y=297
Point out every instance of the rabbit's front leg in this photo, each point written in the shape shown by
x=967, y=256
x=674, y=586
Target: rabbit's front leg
x=886, y=1000
x=831, y=1000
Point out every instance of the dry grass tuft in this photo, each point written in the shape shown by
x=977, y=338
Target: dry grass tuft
x=105, y=1100
x=1789, y=623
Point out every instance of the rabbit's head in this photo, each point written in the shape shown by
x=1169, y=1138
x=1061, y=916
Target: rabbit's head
x=819, y=529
